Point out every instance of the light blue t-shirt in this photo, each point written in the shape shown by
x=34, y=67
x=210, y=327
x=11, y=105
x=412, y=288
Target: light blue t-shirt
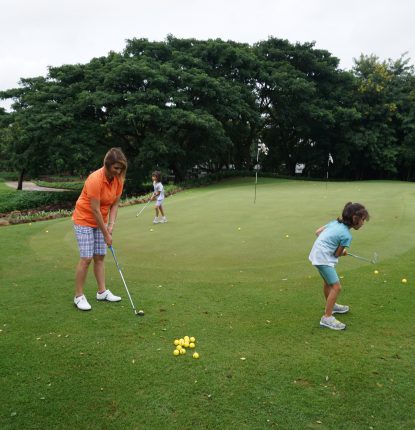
x=335, y=234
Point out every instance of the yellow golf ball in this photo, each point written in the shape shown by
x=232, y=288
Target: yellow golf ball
x=239, y=228
x=191, y=345
x=376, y=272
x=178, y=347
x=192, y=339
x=186, y=338
x=176, y=341
x=196, y=355
x=186, y=344
x=176, y=352
x=404, y=281
x=182, y=351
x=181, y=341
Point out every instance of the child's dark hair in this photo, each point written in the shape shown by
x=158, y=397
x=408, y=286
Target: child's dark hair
x=353, y=213
x=157, y=175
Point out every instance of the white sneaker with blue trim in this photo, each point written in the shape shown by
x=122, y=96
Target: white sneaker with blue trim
x=340, y=309
x=332, y=323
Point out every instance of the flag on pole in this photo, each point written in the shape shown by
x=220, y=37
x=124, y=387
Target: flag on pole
x=330, y=160
x=262, y=148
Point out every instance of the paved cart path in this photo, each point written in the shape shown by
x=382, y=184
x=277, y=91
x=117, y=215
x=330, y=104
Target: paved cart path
x=30, y=186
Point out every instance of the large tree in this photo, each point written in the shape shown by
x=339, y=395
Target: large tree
x=384, y=132
x=302, y=96
x=182, y=103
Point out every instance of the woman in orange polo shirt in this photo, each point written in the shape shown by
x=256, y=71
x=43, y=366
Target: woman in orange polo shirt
x=94, y=218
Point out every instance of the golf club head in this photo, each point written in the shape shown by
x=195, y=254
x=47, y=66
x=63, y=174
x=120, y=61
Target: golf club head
x=139, y=313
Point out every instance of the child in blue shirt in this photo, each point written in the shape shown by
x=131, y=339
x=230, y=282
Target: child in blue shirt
x=331, y=243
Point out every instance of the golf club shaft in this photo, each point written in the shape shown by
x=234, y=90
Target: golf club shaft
x=143, y=208
x=122, y=277
x=360, y=258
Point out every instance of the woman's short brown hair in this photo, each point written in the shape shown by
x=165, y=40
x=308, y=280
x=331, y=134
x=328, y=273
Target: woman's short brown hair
x=115, y=155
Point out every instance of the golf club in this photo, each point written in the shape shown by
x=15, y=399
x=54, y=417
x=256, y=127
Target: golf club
x=140, y=312
x=374, y=260
x=138, y=213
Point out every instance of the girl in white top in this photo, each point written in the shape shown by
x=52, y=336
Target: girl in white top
x=158, y=195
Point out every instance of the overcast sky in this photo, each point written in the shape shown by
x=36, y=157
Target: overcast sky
x=35, y=34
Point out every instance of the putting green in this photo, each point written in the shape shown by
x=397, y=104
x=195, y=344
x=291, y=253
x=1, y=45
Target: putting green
x=219, y=229
x=223, y=270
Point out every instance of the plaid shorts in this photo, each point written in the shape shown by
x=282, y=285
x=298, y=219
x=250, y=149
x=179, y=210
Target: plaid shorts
x=90, y=241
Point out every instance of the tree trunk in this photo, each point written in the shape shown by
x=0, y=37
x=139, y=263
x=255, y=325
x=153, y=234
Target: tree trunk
x=20, y=183
x=179, y=173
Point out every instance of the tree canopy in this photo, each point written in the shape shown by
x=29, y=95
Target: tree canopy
x=182, y=103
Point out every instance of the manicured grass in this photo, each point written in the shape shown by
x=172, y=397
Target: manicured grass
x=68, y=185
x=5, y=189
x=248, y=293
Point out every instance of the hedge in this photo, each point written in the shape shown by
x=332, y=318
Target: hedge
x=23, y=200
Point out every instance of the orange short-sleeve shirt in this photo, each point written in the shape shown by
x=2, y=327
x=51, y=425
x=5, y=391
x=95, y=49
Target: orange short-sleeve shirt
x=96, y=187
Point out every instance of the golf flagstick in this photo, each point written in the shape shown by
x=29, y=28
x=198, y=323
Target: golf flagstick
x=330, y=160
x=264, y=149
x=140, y=312
x=256, y=172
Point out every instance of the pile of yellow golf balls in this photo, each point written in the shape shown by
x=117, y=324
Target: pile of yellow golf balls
x=183, y=344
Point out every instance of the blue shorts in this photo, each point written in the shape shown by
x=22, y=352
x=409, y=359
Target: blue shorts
x=90, y=241
x=329, y=274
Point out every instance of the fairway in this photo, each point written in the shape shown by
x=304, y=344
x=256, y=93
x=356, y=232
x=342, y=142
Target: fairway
x=235, y=275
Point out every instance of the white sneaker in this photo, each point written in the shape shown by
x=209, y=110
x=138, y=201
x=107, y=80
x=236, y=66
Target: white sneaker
x=108, y=296
x=331, y=322
x=340, y=309
x=163, y=220
x=155, y=220
x=82, y=303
